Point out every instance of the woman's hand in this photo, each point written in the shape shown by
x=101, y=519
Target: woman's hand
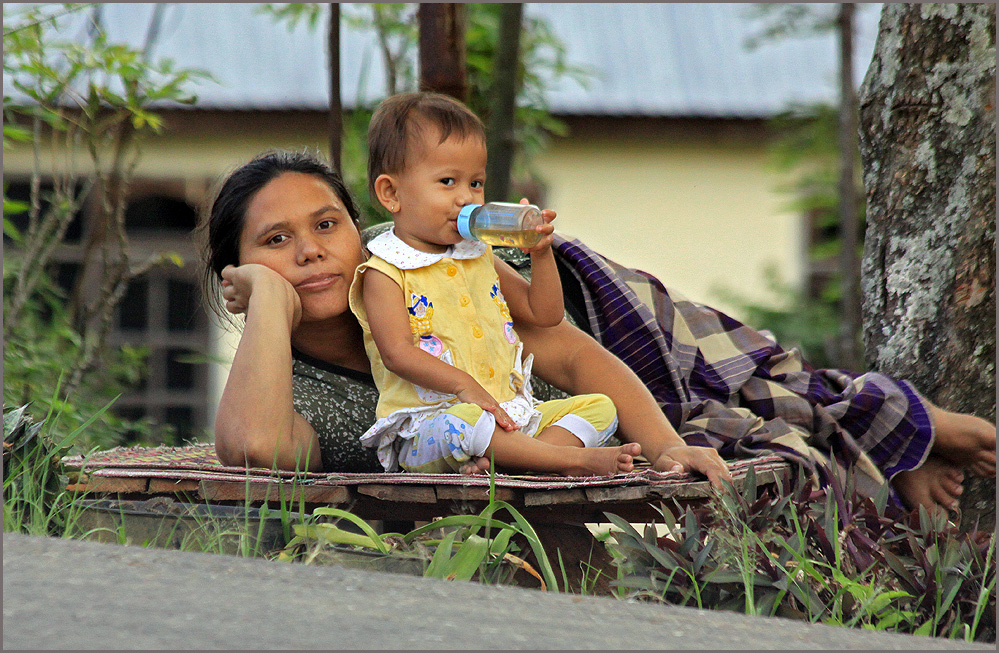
x=252, y=280
x=686, y=458
x=476, y=394
x=546, y=229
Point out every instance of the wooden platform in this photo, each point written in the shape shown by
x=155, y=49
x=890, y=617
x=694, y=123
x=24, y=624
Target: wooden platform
x=557, y=507
x=417, y=497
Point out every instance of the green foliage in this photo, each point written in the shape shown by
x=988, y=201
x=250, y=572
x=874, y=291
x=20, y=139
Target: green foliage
x=38, y=356
x=89, y=104
x=542, y=63
x=827, y=556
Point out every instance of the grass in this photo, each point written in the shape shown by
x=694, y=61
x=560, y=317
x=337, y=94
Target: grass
x=829, y=556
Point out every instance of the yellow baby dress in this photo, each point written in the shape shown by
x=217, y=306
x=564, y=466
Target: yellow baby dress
x=457, y=314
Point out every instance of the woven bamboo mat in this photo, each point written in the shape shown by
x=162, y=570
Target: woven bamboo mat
x=198, y=462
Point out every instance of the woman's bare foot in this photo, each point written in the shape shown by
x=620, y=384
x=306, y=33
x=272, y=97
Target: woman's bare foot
x=935, y=485
x=475, y=467
x=967, y=441
x=603, y=461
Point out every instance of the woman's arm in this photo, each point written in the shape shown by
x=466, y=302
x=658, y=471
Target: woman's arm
x=256, y=424
x=571, y=360
x=384, y=303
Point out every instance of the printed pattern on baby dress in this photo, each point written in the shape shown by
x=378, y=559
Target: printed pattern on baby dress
x=508, y=332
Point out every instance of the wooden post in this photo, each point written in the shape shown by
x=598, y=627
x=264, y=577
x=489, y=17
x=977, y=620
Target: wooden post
x=849, y=354
x=503, y=102
x=442, y=49
x=336, y=107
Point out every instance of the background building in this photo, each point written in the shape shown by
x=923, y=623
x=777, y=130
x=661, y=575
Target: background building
x=665, y=167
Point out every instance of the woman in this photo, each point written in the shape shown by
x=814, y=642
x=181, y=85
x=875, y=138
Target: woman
x=283, y=243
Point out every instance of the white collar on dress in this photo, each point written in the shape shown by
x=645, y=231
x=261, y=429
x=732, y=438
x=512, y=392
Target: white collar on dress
x=405, y=257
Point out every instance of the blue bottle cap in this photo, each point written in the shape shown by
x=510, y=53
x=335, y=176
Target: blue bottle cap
x=463, y=217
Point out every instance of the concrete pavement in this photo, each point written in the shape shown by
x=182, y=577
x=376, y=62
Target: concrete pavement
x=62, y=594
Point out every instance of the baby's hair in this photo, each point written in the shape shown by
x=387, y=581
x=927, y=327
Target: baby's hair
x=401, y=119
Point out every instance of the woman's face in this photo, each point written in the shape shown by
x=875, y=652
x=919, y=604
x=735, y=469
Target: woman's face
x=297, y=226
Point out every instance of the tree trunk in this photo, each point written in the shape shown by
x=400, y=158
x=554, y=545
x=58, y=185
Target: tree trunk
x=504, y=97
x=336, y=107
x=442, y=48
x=928, y=145
x=850, y=356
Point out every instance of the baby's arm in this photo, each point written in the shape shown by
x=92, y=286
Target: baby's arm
x=539, y=302
x=384, y=302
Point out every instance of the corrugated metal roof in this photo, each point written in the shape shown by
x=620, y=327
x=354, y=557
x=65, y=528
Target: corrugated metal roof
x=651, y=59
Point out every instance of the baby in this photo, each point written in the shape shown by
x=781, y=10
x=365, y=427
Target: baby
x=438, y=311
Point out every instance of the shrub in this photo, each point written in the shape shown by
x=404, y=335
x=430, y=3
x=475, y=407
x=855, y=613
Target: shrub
x=830, y=556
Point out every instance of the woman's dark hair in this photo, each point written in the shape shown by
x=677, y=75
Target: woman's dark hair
x=222, y=225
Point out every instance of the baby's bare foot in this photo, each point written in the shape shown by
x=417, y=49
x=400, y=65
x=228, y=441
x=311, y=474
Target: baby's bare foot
x=604, y=461
x=475, y=467
x=967, y=441
x=936, y=485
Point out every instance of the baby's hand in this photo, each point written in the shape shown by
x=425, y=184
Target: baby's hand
x=480, y=397
x=546, y=229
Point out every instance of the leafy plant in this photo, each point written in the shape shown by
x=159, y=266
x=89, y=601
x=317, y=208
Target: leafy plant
x=831, y=556
x=34, y=485
x=87, y=105
x=478, y=547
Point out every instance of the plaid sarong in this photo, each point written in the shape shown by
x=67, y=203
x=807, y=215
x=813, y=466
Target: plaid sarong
x=726, y=385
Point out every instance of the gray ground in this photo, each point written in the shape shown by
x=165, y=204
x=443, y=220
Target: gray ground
x=60, y=594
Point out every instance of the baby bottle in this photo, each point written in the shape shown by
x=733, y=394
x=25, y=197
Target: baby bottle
x=501, y=224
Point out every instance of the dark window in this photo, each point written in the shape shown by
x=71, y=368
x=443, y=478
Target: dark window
x=133, y=310
x=182, y=305
x=159, y=213
x=20, y=191
x=181, y=418
x=180, y=374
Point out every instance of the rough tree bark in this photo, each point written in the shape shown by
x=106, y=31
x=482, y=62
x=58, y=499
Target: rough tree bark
x=928, y=145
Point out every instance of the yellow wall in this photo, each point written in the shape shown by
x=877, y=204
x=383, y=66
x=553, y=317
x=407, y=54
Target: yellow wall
x=698, y=215
x=690, y=202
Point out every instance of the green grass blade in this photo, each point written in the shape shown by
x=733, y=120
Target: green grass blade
x=363, y=525
x=441, y=555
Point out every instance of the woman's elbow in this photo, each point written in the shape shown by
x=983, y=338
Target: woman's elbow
x=552, y=320
x=235, y=449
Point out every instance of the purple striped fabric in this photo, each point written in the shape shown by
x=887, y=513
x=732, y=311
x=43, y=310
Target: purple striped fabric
x=726, y=385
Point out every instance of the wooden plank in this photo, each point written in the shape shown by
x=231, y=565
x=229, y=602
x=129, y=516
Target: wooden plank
x=400, y=493
x=472, y=493
x=241, y=491
x=161, y=485
x=109, y=485
x=626, y=493
x=555, y=497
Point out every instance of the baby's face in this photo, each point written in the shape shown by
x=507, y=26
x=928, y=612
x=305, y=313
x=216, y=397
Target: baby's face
x=440, y=179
